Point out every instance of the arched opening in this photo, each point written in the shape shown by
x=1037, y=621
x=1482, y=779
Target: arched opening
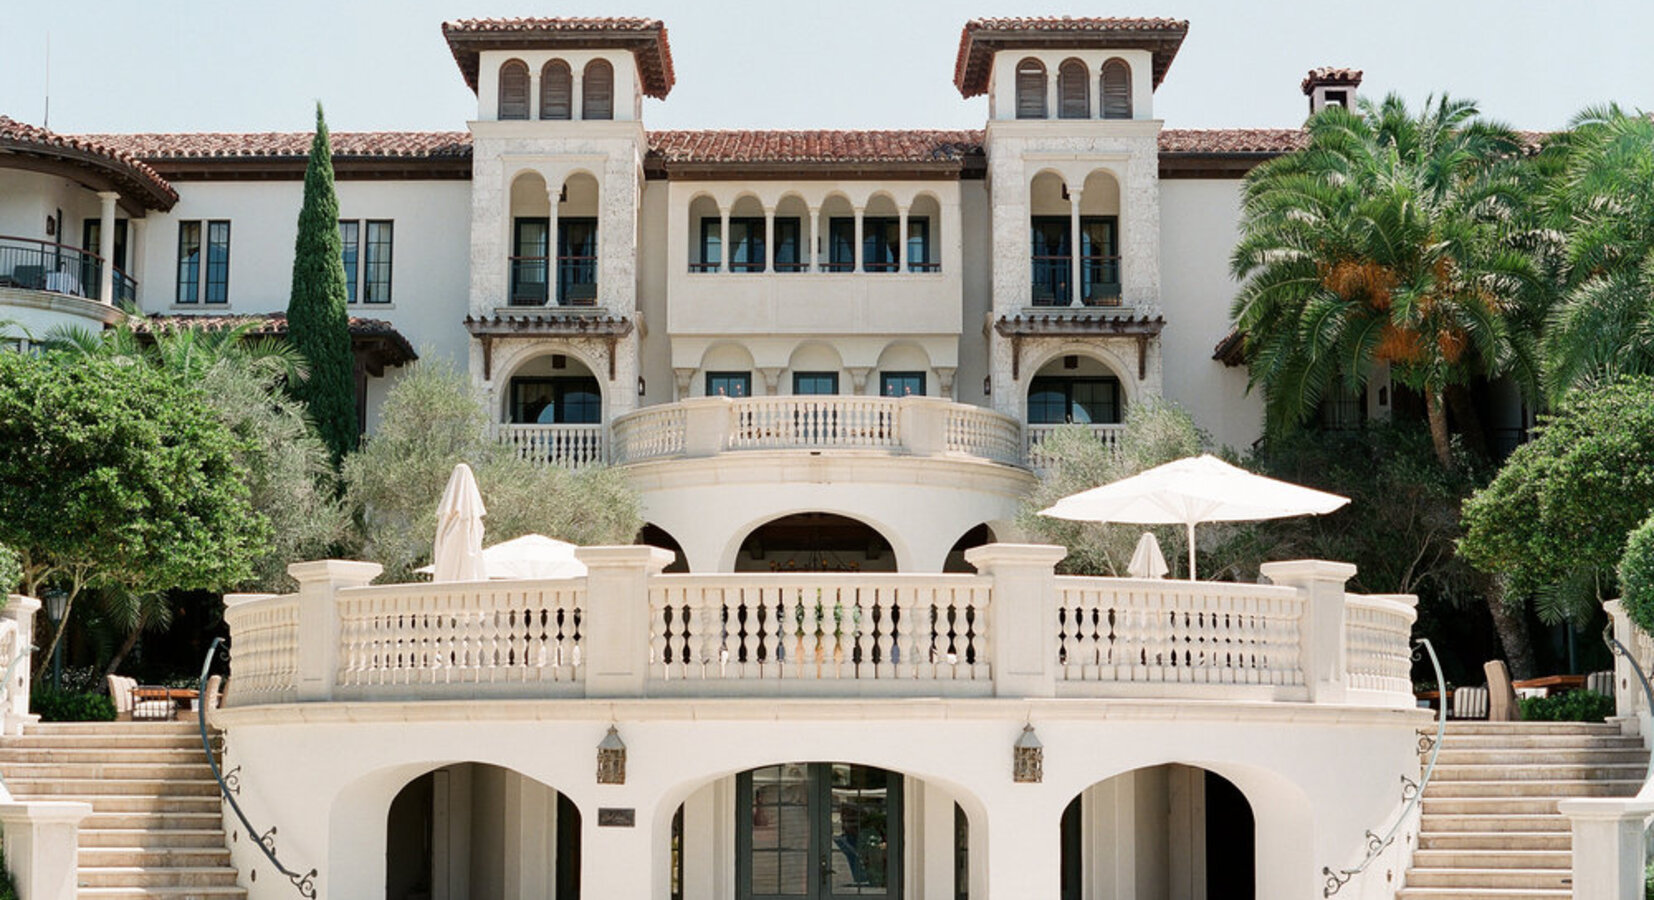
x=792, y=234
x=706, y=239
x=815, y=542
x=530, y=240
x=1051, y=245
x=553, y=389
x=924, y=234
x=653, y=535
x=597, y=90
x=1031, y=89
x=840, y=217
x=727, y=372
x=1077, y=389
x=513, y=97
x=577, y=241
x=745, y=245
x=461, y=831
x=1100, y=240
x=1116, y=89
x=556, y=90
x=1191, y=834
x=881, y=235
x=815, y=368
x=979, y=536
x=1073, y=90
x=904, y=371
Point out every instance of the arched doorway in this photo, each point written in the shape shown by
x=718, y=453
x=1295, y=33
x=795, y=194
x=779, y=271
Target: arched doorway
x=815, y=542
x=653, y=535
x=979, y=536
x=1078, y=389
x=473, y=831
x=1192, y=834
x=818, y=831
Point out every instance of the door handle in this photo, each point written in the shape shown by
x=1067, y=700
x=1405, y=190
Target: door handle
x=827, y=868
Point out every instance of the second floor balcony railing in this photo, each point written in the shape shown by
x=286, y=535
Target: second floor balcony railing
x=576, y=280
x=1099, y=280
x=36, y=265
x=639, y=633
x=1034, y=437
x=573, y=446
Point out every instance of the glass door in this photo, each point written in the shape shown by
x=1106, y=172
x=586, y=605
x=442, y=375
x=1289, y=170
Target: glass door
x=819, y=831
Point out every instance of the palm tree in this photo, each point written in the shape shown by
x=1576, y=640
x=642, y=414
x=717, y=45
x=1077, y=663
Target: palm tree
x=1388, y=240
x=1602, y=207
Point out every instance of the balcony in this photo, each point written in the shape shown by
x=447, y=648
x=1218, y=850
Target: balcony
x=1053, y=277
x=576, y=280
x=33, y=265
x=626, y=630
x=571, y=446
x=910, y=426
x=1033, y=437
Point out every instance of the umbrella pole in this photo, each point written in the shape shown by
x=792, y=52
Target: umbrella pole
x=1191, y=551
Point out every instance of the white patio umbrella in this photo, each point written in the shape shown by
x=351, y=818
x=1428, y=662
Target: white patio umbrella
x=457, y=554
x=1147, y=561
x=529, y=556
x=1190, y=491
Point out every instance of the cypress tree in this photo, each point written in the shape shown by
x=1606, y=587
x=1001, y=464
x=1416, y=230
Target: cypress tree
x=318, y=321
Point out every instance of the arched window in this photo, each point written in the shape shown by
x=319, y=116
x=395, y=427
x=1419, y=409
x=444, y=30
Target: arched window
x=514, y=89
x=556, y=91
x=1073, y=90
x=1031, y=89
x=1116, y=89
x=597, y=91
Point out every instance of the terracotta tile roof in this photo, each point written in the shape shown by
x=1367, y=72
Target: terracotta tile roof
x=916, y=146
x=980, y=38
x=393, y=348
x=1231, y=140
x=646, y=38
x=1330, y=75
x=277, y=144
x=130, y=175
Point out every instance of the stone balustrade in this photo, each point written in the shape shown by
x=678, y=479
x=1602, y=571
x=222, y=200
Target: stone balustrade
x=1014, y=629
x=574, y=446
x=1034, y=437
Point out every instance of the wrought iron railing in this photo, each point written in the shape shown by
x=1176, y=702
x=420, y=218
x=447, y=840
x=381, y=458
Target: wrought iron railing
x=37, y=265
x=1052, y=275
x=230, y=785
x=1411, y=792
x=576, y=280
x=1619, y=649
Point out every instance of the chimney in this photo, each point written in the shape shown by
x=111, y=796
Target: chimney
x=1329, y=86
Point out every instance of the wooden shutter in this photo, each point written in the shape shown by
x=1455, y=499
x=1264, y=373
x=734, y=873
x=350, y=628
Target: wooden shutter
x=1073, y=91
x=597, y=91
x=1030, y=89
x=1116, y=89
x=514, y=90
x=556, y=91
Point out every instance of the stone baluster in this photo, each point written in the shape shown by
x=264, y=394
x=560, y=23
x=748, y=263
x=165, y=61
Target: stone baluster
x=1322, y=653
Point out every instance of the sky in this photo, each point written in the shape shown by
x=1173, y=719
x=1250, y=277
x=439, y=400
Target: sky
x=233, y=65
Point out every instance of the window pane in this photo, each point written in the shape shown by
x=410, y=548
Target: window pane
x=376, y=267
x=902, y=384
x=815, y=382
x=532, y=402
x=218, y=262
x=786, y=240
x=918, y=241
x=711, y=242
x=348, y=233
x=841, y=241
x=728, y=384
x=189, y=262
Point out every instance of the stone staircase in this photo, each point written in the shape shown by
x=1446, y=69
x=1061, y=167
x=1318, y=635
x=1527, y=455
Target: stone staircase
x=1490, y=829
x=155, y=829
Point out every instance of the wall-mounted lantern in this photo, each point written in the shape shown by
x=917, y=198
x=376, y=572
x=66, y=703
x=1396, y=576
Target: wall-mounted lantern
x=1028, y=758
x=611, y=759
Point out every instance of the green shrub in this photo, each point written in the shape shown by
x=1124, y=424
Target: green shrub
x=1636, y=573
x=1574, y=706
x=11, y=573
x=65, y=706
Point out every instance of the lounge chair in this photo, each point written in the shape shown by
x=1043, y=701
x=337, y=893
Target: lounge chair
x=123, y=691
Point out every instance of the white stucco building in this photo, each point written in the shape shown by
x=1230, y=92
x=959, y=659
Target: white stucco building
x=826, y=360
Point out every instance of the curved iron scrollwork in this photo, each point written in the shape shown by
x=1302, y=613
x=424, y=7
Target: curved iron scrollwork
x=229, y=785
x=1411, y=791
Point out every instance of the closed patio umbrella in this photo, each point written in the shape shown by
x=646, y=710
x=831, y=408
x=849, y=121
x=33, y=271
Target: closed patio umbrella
x=457, y=554
x=1190, y=491
x=1147, y=561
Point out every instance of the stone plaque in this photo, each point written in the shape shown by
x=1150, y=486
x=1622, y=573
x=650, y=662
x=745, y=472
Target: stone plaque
x=610, y=817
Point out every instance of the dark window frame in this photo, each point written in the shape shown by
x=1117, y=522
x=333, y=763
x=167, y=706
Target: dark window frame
x=1067, y=383
x=209, y=280
x=372, y=266
x=887, y=381
x=561, y=386
x=350, y=255
x=713, y=378
x=830, y=377
x=188, y=288
x=818, y=806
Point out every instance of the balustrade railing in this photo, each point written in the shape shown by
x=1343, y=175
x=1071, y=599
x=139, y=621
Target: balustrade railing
x=819, y=628
x=573, y=446
x=461, y=638
x=37, y=265
x=982, y=432
x=531, y=280
x=1034, y=437
x=628, y=630
x=650, y=433
x=1132, y=631
x=799, y=421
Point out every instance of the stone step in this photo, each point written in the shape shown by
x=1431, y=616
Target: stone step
x=1634, y=755
x=133, y=876
x=150, y=838
x=1480, y=841
x=1506, y=858
x=200, y=892
x=1553, y=788
x=153, y=821
x=1552, y=771
x=115, y=770
x=1527, y=728
x=1449, y=823
x=1541, y=879
x=105, y=742
x=11, y=755
x=1534, y=741
x=138, y=803
x=1491, y=806
x=155, y=857
x=199, y=787
x=1453, y=893
x=139, y=728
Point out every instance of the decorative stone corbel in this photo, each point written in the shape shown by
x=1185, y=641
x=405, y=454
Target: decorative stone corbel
x=858, y=377
x=772, y=379
x=944, y=381
x=683, y=377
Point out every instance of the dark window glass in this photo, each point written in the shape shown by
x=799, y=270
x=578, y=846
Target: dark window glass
x=788, y=241
x=1100, y=259
x=918, y=246
x=841, y=244
x=376, y=263
x=189, y=262
x=961, y=854
x=881, y=239
x=901, y=384
x=1052, y=261
x=815, y=382
x=556, y=401
x=92, y=240
x=577, y=261
x=1082, y=401
x=529, y=263
x=349, y=235
x=712, y=244
x=729, y=384
x=218, y=262
x=746, y=244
